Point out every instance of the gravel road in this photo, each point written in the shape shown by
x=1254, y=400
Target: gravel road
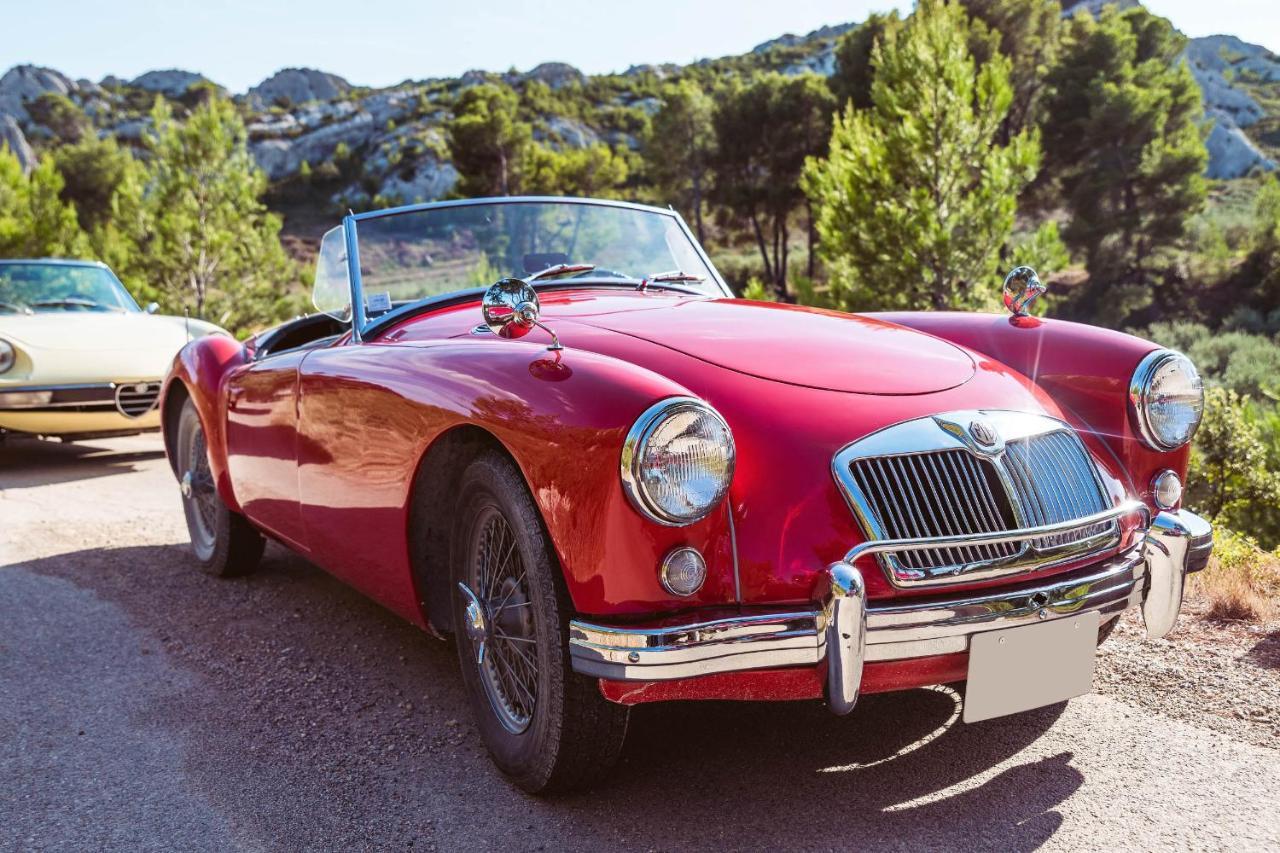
x=144, y=706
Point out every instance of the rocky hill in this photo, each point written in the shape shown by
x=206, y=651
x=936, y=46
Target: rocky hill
x=355, y=144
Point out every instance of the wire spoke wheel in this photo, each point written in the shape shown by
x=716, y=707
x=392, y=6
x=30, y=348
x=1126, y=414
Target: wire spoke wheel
x=503, y=635
x=198, y=492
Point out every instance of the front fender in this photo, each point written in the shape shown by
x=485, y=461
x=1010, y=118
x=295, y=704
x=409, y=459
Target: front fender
x=199, y=370
x=371, y=412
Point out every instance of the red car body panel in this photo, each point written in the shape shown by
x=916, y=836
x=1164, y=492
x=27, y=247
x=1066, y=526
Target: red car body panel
x=321, y=446
x=788, y=684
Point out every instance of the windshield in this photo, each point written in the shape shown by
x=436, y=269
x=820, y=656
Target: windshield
x=39, y=287
x=418, y=254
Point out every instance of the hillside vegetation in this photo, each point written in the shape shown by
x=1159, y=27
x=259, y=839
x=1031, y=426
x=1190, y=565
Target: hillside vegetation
x=895, y=163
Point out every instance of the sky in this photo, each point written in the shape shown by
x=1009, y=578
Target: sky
x=237, y=43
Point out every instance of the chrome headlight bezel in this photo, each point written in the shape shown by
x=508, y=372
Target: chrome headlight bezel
x=633, y=452
x=8, y=356
x=1140, y=386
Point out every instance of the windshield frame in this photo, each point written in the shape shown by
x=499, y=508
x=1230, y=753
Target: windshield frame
x=66, y=262
x=362, y=326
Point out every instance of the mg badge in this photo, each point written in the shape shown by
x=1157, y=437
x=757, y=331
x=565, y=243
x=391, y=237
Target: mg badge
x=983, y=433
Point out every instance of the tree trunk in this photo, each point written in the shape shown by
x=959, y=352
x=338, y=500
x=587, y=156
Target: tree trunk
x=781, y=258
x=812, y=238
x=697, y=209
x=764, y=247
x=778, y=283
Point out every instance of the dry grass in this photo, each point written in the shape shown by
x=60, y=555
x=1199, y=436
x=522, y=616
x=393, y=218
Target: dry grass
x=1241, y=583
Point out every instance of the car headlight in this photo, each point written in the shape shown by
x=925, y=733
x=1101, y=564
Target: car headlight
x=677, y=462
x=1166, y=399
x=7, y=356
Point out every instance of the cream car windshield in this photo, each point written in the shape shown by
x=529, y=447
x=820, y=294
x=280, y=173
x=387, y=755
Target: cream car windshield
x=419, y=254
x=37, y=288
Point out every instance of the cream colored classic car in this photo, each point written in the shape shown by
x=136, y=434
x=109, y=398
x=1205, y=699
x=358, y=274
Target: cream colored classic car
x=78, y=357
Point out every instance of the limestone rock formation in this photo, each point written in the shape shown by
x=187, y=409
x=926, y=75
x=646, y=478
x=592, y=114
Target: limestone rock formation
x=12, y=138
x=293, y=86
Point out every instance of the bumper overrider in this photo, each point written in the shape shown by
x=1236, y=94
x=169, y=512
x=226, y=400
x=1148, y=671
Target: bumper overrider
x=847, y=631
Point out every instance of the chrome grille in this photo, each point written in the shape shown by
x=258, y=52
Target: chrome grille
x=926, y=495
x=135, y=399
x=1054, y=481
x=974, y=472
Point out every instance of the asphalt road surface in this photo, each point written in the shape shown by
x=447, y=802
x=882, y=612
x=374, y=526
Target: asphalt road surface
x=145, y=706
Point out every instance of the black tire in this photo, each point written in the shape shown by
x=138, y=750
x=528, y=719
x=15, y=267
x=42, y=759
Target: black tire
x=565, y=735
x=224, y=543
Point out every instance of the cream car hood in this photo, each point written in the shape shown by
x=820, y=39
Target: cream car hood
x=66, y=347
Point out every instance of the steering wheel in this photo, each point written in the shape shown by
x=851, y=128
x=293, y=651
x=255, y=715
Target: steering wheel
x=601, y=272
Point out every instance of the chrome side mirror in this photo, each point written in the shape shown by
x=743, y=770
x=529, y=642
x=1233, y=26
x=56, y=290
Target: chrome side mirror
x=511, y=309
x=1021, y=288
x=153, y=307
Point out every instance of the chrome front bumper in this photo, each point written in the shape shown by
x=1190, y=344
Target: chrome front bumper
x=848, y=632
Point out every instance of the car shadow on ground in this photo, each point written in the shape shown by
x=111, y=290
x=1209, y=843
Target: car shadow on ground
x=314, y=701
x=29, y=462
x=1267, y=651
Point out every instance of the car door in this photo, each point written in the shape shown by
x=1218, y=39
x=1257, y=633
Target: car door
x=262, y=443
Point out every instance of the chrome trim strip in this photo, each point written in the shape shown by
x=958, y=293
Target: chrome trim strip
x=883, y=546
x=701, y=648
x=97, y=396
x=90, y=386
x=733, y=547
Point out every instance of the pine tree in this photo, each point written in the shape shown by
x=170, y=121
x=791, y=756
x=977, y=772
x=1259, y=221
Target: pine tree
x=488, y=143
x=34, y=220
x=1124, y=141
x=765, y=130
x=212, y=245
x=916, y=198
x=1028, y=33
x=677, y=151
x=851, y=80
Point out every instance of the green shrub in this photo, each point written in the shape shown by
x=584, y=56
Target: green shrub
x=1230, y=480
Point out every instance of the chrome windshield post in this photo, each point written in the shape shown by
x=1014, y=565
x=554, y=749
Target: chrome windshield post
x=353, y=268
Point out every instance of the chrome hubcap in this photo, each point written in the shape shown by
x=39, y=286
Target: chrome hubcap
x=477, y=620
x=198, y=490
x=499, y=622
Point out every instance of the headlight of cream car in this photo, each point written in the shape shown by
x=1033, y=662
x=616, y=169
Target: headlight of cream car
x=1166, y=399
x=7, y=355
x=678, y=460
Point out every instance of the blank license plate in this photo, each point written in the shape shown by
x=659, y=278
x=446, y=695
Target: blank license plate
x=1018, y=669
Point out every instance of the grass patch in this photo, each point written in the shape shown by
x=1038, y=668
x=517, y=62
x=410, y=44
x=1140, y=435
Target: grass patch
x=1241, y=582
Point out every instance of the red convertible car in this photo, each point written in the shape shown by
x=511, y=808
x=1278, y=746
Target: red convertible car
x=546, y=428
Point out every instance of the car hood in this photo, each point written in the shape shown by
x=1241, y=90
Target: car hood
x=799, y=346
x=114, y=331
